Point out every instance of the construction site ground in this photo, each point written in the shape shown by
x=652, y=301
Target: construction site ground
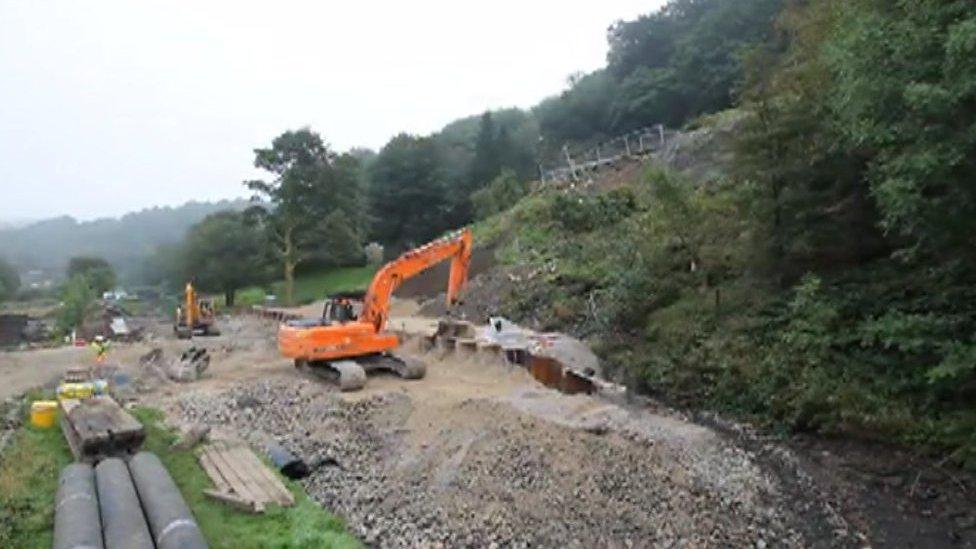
x=479, y=454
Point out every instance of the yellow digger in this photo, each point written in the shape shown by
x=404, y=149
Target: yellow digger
x=195, y=316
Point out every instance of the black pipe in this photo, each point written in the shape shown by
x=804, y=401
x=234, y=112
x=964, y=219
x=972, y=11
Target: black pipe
x=286, y=462
x=170, y=520
x=76, y=522
x=123, y=523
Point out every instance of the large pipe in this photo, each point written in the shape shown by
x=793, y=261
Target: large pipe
x=123, y=524
x=170, y=520
x=76, y=522
x=286, y=462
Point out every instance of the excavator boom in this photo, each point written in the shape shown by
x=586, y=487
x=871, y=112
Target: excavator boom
x=457, y=247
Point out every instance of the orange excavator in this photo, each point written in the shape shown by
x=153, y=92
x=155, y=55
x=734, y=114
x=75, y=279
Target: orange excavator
x=344, y=344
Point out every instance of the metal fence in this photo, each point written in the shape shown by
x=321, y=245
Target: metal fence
x=635, y=144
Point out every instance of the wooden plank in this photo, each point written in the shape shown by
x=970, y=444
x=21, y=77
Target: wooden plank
x=206, y=461
x=254, y=483
x=74, y=443
x=244, y=465
x=238, y=483
x=273, y=487
x=232, y=500
x=241, y=479
x=280, y=492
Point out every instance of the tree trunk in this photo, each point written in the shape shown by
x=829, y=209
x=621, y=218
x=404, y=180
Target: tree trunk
x=229, y=298
x=289, y=282
x=289, y=264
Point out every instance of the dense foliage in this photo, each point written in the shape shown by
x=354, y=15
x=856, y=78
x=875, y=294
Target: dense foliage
x=77, y=295
x=408, y=192
x=224, y=253
x=9, y=280
x=663, y=68
x=97, y=270
x=869, y=116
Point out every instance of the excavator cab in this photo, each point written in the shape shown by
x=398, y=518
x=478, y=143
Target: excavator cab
x=342, y=307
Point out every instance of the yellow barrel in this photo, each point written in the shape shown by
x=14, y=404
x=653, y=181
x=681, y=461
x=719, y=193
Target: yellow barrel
x=43, y=413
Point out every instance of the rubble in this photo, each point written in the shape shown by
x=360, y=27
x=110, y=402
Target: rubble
x=485, y=474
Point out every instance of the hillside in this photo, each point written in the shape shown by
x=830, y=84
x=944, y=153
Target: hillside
x=662, y=275
x=125, y=242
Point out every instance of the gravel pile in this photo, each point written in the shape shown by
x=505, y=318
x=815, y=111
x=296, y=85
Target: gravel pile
x=485, y=475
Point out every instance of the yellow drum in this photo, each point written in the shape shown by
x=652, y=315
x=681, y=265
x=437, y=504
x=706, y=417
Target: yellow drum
x=43, y=413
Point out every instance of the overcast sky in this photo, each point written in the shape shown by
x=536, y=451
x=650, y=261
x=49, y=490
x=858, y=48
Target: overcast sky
x=108, y=107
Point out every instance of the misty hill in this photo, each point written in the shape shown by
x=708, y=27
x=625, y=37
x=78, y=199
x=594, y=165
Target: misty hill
x=124, y=241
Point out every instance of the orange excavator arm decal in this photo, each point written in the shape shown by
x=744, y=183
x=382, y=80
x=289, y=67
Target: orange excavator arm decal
x=457, y=246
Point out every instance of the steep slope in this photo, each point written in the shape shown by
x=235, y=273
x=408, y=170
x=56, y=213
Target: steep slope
x=666, y=276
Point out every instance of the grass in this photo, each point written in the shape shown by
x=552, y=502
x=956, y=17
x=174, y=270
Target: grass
x=314, y=286
x=29, y=470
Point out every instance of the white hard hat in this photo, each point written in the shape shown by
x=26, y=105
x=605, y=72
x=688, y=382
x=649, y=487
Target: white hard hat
x=99, y=338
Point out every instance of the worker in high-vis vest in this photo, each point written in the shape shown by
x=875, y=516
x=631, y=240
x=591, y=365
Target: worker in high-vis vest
x=100, y=345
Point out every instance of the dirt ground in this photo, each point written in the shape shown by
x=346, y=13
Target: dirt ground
x=478, y=454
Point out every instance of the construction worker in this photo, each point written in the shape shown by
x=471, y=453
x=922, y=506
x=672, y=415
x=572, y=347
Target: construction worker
x=100, y=345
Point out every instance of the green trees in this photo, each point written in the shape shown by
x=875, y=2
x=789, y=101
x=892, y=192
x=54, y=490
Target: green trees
x=77, y=294
x=580, y=113
x=407, y=192
x=497, y=153
x=502, y=193
x=858, y=139
x=865, y=123
x=96, y=270
x=664, y=67
x=313, y=205
x=224, y=253
x=905, y=86
x=9, y=280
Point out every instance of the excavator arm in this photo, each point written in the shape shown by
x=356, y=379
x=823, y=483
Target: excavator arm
x=457, y=246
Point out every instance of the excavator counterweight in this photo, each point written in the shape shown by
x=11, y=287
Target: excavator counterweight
x=344, y=345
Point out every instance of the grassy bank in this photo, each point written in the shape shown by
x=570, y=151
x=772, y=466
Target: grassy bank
x=29, y=472
x=314, y=286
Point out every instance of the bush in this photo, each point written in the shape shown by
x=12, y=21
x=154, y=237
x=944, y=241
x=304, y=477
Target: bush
x=76, y=295
x=499, y=195
x=584, y=213
x=9, y=280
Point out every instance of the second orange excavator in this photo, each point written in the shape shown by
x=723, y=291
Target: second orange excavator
x=345, y=343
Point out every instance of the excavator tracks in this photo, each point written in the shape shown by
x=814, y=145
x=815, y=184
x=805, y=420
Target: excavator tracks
x=350, y=375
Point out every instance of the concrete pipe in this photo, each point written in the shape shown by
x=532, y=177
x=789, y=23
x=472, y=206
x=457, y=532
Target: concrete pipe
x=76, y=522
x=170, y=520
x=123, y=523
